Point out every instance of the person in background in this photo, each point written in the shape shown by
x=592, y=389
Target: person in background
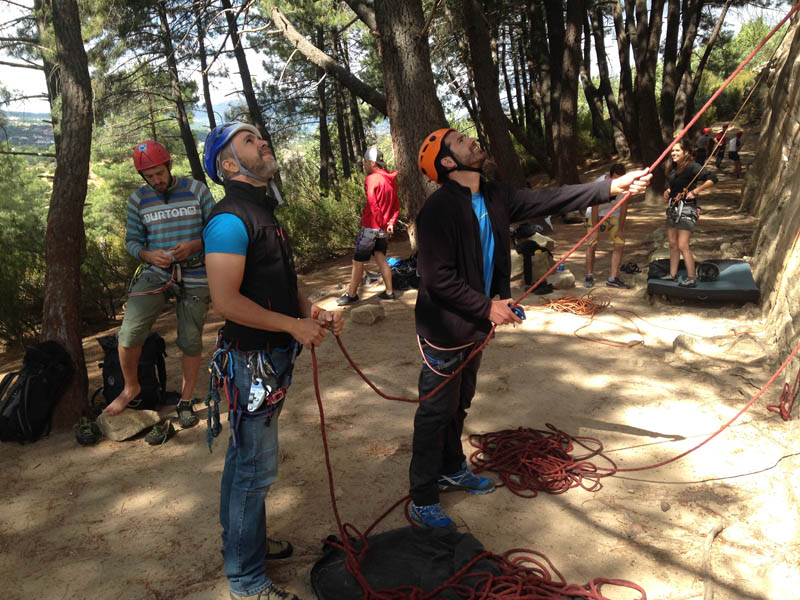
x=719, y=145
x=377, y=225
x=687, y=180
x=733, y=153
x=704, y=146
x=165, y=220
x=616, y=233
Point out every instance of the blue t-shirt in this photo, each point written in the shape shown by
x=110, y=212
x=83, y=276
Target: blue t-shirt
x=225, y=233
x=487, y=239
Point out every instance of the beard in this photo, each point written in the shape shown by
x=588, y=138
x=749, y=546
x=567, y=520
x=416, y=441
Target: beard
x=264, y=165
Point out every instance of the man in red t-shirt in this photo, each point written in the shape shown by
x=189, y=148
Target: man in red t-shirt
x=377, y=225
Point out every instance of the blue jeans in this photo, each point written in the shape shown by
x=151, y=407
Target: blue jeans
x=249, y=471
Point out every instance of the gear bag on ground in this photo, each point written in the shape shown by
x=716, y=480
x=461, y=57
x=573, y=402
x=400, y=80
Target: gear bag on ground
x=28, y=396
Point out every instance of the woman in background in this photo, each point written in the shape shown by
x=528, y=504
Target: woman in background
x=686, y=181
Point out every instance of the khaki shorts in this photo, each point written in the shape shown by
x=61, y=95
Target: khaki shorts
x=612, y=226
x=142, y=311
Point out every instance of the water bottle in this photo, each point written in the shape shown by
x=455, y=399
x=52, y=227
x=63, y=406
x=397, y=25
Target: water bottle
x=560, y=267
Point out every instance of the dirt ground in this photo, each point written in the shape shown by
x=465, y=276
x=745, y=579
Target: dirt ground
x=130, y=521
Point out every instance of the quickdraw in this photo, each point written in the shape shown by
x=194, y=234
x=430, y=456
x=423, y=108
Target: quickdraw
x=268, y=388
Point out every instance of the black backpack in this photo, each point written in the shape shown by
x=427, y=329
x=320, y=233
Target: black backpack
x=28, y=396
x=152, y=373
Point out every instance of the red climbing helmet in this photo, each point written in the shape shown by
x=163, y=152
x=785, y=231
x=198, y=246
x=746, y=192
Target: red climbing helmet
x=149, y=154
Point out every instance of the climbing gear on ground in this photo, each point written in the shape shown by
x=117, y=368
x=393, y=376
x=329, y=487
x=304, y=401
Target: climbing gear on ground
x=689, y=282
x=384, y=295
x=87, y=432
x=346, y=299
x=151, y=373
x=465, y=481
x=630, y=267
x=150, y=154
x=186, y=416
x=278, y=549
x=431, y=515
x=707, y=271
x=28, y=396
x=616, y=282
x=160, y=433
x=589, y=281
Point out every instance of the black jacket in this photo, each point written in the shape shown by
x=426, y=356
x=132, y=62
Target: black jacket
x=452, y=308
x=269, y=277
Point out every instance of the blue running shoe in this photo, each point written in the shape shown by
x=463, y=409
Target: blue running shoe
x=465, y=480
x=431, y=515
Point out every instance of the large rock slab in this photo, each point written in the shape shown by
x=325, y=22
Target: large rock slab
x=367, y=314
x=126, y=424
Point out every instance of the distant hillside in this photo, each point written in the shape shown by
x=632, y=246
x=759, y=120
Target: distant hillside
x=30, y=130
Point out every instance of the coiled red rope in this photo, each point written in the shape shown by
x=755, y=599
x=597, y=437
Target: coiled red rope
x=518, y=573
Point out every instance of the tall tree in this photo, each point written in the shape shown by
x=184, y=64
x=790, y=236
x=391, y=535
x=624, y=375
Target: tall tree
x=487, y=84
x=65, y=241
x=327, y=163
x=177, y=96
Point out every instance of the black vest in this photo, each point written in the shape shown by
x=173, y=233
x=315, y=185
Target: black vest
x=269, y=277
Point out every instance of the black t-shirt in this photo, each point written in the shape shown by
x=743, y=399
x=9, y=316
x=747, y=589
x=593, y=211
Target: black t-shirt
x=679, y=180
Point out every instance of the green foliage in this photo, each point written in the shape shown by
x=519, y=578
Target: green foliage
x=23, y=215
x=320, y=227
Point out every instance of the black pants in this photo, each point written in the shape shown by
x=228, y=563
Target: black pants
x=439, y=421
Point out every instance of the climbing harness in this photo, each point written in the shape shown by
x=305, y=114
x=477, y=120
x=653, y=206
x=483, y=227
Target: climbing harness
x=268, y=386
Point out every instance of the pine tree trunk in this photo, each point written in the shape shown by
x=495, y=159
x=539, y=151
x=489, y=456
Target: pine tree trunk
x=487, y=85
x=201, y=51
x=187, y=136
x=65, y=239
x=412, y=105
x=327, y=167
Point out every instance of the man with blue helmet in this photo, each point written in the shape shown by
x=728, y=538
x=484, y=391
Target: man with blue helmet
x=254, y=286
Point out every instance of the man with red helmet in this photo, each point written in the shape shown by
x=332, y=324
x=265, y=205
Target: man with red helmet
x=165, y=220
x=464, y=265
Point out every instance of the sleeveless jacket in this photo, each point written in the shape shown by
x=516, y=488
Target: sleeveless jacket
x=269, y=277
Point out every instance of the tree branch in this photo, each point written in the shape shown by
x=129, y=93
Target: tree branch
x=22, y=65
x=367, y=93
x=365, y=13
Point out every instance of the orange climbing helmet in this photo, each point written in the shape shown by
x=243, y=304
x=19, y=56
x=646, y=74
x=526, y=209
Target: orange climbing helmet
x=429, y=152
x=150, y=154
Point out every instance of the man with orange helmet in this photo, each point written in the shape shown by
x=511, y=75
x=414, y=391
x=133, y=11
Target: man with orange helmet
x=464, y=265
x=165, y=220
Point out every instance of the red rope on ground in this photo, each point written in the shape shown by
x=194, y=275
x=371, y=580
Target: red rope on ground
x=520, y=573
x=786, y=401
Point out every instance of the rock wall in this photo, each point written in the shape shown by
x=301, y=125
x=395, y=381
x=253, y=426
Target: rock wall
x=772, y=193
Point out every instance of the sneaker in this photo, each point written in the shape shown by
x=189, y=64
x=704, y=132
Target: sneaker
x=589, y=281
x=431, y=515
x=465, y=480
x=160, y=433
x=616, y=282
x=668, y=277
x=386, y=296
x=689, y=282
x=86, y=432
x=273, y=592
x=186, y=416
x=346, y=298
x=278, y=549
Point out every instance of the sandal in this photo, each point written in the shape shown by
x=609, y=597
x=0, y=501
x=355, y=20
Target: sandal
x=186, y=416
x=630, y=267
x=278, y=549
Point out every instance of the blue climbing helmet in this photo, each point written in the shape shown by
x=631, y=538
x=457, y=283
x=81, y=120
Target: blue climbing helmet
x=216, y=140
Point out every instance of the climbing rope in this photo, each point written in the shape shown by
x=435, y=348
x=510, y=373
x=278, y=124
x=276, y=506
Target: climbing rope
x=517, y=573
x=786, y=401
